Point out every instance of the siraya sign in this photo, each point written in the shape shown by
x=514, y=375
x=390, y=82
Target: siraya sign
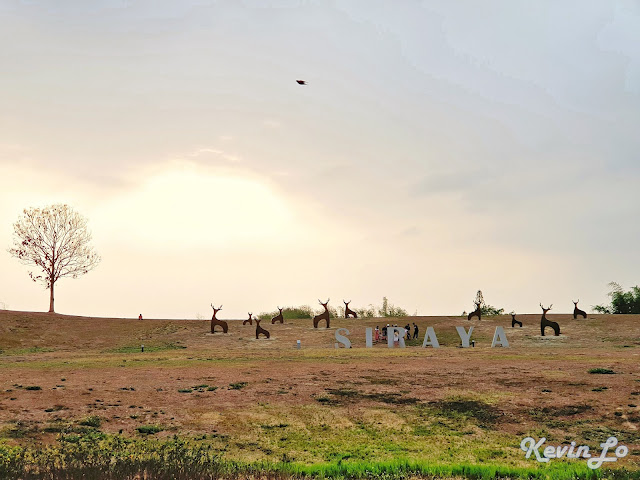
x=430, y=338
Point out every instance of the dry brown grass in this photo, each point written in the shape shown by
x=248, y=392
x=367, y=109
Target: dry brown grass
x=540, y=385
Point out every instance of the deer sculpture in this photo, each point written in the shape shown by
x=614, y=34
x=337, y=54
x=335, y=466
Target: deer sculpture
x=348, y=311
x=249, y=320
x=323, y=316
x=514, y=321
x=476, y=313
x=215, y=321
x=260, y=330
x=577, y=311
x=278, y=318
x=544, y=323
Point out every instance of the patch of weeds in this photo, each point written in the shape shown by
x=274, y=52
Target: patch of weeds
x=210, y=389
x=599, y=389
x=381, y=381
x=602, y=371
x=55, y=408
x=200, y=387
x=346, y=394
x=147, y=348
x=33, y=387
x=271, y=427
x=149, y=429
x=237, y=385
x=92, y=421
x=185, y=390
x=391, y=398
x=327, y=400
x=484, y=413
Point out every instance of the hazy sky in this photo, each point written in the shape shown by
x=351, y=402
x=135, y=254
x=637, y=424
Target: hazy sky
x=439, y=148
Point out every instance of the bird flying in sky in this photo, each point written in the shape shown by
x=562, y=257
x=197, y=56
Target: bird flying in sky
x=301, y=82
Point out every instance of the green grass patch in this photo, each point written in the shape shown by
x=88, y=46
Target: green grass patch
x=149, y=429
x=601, y=371
x=27, y=351
x=147, y=348
x=97, y=455
x=91, y=421
x=33, y=387
x=237, y=385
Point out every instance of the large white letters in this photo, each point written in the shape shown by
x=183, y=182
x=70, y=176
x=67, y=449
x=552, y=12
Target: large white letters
x=430, y=338
x=341, y=338
x=464, y=336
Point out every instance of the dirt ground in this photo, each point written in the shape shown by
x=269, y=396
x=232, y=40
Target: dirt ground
x=57, y=372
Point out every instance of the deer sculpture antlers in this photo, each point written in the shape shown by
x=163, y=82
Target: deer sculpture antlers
x=323, y=316
x=577, y=311
x=544, y=323
x=278, y=318
x=215, y=321
x=348, y=311
x=249, y=320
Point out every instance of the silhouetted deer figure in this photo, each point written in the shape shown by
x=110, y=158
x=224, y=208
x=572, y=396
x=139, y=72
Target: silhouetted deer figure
x=215, y=321
x=323, y=316
x=348, y=311
x=260, y=330
x=544, y=323
x=249, y=320
x=514, y=321
x=476, y=313
x=577, y=311
x=278, y=318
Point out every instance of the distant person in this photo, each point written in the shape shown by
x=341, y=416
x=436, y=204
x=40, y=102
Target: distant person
x=396, y=338
x=377, y=334
x=140, y=317
x=384, y=331
x=415, y=330
x=407, y=332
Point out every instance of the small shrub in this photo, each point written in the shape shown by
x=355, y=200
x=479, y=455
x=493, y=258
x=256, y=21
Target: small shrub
x=211, y=389
x=91, y=421
x=599, y=389
x=33, y=387
x=603, y=371
x=149, y=429
x=237, y=385
x=185, y=390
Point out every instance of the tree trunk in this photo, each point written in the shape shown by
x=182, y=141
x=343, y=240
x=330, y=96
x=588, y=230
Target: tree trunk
x=51, y=299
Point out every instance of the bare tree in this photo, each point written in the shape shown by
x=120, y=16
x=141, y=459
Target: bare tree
x=56, y=240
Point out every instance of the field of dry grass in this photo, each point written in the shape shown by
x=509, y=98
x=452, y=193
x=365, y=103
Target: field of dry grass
x=264, y=399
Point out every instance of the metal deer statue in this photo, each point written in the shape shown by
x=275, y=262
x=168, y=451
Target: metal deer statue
x=323, y=316
x=278, y=318
x=514, y=322
x=476, y=313
x=577, y=311
x=544, y=323
x=348, y=311
x=260, y=330
x=215, y=321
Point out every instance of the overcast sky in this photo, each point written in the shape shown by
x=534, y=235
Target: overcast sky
x=439, y=148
